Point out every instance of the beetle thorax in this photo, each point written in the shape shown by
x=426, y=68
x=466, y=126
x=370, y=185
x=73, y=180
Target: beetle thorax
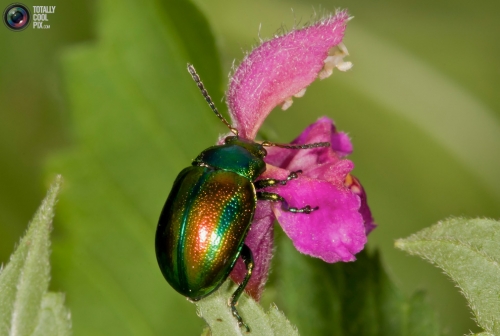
x=243, y=157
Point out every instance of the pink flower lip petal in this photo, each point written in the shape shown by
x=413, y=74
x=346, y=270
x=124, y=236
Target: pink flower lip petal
x=339, y=228
x=324, y=130
x=335, y=232
x=353, y=183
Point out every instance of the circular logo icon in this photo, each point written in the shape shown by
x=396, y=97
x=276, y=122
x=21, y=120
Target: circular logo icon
x=16, y=16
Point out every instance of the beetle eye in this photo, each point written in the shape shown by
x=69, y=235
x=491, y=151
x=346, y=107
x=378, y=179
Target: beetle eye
x=262, y=152
x=229, y=139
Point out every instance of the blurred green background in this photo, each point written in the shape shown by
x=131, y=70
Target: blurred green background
x=421, y=106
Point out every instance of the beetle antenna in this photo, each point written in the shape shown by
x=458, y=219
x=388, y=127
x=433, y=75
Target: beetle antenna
x=306, y=146
x=209, y=100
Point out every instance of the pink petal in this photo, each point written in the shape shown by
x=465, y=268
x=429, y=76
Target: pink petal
x=333, y=173
x=353, y=183
x=260, y=242
x=279, y=69
x=322, y=130
x=335, y=232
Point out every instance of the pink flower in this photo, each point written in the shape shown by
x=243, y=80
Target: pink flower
x=270, y=75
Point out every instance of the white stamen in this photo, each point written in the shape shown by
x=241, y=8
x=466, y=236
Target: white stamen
x=335, y=60
x=301, y=93
x=344, y=66
x=287, y=103
x=343, y=48
x=325, y=73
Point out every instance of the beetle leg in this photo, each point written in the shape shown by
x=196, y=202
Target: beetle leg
x=247, y=256
x=273, y=182
x=267, y=196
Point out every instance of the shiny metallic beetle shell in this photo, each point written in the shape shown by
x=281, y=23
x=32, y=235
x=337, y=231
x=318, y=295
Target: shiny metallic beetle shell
x=207, y=215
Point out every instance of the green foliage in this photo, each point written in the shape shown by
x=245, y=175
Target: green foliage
x=54, y=319
x=324, y=299
x=468, y=250
x=31, y=121
x=215, y=311
x=346, y=298
x=134, y=110
x=26, y=306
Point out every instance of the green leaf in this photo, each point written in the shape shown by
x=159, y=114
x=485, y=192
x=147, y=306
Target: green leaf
x=468, y=250
x=138, y=120
x=54, y=318
x=214, y=309
x=355, y=298
x=25, y=305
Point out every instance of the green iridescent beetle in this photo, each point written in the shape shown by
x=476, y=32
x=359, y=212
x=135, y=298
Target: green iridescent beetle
x=202, y=228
